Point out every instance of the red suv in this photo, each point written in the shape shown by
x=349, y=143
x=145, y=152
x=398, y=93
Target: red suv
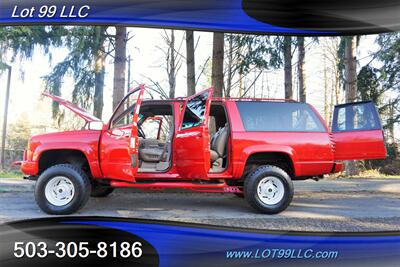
x=250, y=147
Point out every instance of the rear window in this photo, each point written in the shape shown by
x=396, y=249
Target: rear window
x=278, y=117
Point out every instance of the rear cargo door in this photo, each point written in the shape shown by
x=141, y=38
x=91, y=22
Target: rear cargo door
x=357, y=132
x=192, y=141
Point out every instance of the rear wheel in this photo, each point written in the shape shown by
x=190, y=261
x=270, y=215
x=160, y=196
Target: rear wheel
x=268, y=189
x=62, y=189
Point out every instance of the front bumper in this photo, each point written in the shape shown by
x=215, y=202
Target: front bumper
x=30, y=168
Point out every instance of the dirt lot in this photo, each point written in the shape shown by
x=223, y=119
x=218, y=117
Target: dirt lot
x=327, y=205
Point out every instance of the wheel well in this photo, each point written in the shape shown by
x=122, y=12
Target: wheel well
x=64, y=156
x=279, y=159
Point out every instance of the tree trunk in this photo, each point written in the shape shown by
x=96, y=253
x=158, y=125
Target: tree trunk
x=230, y=66
x=172, y=67
x=217, y=77
x=287, y=55
x=301, y=71
x=326, y=94
x=190, y=64
x=99, y=84
x=350, y=85
x=119, y=65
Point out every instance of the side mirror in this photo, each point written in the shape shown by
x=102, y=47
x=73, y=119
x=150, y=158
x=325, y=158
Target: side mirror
x=95, y=125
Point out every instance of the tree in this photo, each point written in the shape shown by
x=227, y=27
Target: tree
x=172, y=63
x=350, y=85
x=301, y=70
x=287, y=57
x=190, y=64
x=350, y=61
x=217, y=76
x=86, y=63
x=22, y=40
x=119, y=65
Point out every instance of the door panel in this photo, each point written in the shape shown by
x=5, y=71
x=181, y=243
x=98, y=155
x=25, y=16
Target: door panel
x=192, y=141
x=119, y=143
x=357, y=132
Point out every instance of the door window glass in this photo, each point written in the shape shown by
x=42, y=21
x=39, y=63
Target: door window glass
x=355, y=117
x=124, y=114
x=195, y=111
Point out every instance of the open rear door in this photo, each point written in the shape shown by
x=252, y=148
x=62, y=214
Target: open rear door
x=192, y=142
x=357, y=132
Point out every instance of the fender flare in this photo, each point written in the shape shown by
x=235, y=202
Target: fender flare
x=86, y=150
x=265, y=148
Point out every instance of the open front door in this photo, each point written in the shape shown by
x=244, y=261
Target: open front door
x=357, y=132
x=192, y=142
x=119, y=142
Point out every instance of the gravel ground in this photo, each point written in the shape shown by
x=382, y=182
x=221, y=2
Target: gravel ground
x=327, y=205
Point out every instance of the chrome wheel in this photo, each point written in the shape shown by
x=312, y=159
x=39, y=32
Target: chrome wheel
x=59, y=191
x=270, y=190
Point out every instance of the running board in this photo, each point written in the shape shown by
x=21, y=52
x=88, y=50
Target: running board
x=206, y=188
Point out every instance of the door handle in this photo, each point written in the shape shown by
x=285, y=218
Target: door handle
x=123, y=137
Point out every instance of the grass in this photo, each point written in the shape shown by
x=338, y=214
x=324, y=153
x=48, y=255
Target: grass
x=10, y=174
x=366, y=174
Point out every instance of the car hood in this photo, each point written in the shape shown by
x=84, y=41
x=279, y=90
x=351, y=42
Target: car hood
x=74, y=108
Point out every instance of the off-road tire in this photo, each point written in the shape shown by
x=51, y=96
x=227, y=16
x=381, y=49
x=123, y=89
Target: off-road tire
x=251, y=186
x=80, y=181
x=100, y=190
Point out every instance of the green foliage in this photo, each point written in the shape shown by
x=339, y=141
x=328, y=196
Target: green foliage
x=368, y=84
x=18, y=134
x=84, y=44
x=261, y=52
x=23, y=39
x=382, y=85
x=389, y=55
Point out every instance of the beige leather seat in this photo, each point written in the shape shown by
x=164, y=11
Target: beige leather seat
x=218, y=144
x=150, y=150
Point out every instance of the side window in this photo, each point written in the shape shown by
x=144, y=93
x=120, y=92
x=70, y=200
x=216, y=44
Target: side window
x=195, y=111
x=355, y=117
x=278, y=117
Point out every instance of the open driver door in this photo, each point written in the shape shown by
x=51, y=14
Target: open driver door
x=119, y=141
x=192, y=141
x=357, y=132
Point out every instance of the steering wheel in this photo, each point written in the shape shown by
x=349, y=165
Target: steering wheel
x=141, y=132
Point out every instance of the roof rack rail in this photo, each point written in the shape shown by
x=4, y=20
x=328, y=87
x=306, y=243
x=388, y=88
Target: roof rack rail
x=243, y=99
x=254, y=99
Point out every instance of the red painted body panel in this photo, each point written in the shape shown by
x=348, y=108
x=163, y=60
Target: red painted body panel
x=114, y=154
x=192, y=145
x=311, y=153
x=359, y=145
x=85, y=141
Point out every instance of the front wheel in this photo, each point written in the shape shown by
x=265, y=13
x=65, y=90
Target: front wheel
x=268, y=189
x=62, y=189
